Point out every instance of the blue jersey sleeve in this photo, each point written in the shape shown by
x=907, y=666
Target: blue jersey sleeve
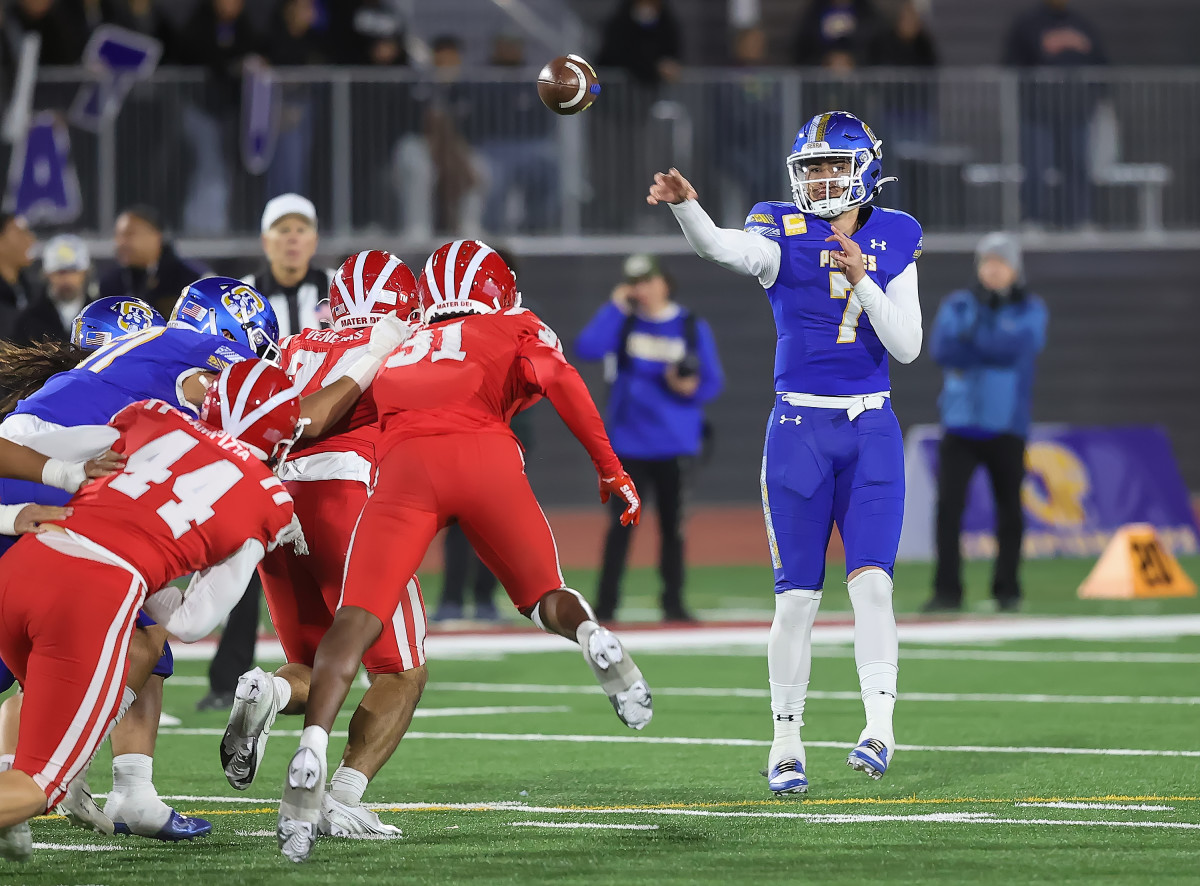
x=214, y=352
x=764, y=220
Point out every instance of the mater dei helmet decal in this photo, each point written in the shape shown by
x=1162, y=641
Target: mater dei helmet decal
x=1056, y=485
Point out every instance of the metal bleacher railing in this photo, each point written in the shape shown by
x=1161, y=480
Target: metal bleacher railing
x=1106, y=154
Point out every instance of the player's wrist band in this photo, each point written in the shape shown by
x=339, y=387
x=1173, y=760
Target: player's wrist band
x=363, y=370
x=63, y=475
x=8, y=518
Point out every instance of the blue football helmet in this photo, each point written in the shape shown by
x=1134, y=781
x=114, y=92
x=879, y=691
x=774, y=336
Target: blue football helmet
x=836, y=136
x=233, y=309
x=112, y=317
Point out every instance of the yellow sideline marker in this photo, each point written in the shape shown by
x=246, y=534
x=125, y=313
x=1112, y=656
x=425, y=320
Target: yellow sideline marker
x=1136, y=565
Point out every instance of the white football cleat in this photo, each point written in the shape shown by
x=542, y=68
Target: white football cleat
x=82, y=811
x=300, y=808
x=340, y=819
x=619, y=677
x=787, y=777
x=255, y=707
x=871, y=756
x=16, y=842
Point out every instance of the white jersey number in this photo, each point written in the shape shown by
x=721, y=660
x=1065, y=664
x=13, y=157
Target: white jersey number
x=442, y=343
x=195, y=492
x=839, y=287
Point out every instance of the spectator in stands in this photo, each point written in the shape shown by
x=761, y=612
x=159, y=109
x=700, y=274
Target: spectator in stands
x=17, y=288
x=368, y=32
x=219, y=39
x=643, y=37
x=831, y=29
x=67, y=267
x=518, y=147
x=747, y=127
x=663, y=366
x=437, y=166
x=1055, y=115
x=144, y=16
x=907, y=107
x=905, y=44
x=987, y=339
x=61, y=24
x=294, y=40
x=147, y=265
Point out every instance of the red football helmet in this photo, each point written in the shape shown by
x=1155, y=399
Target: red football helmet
x=255, y=402
x=466, y=276
x=369, y=285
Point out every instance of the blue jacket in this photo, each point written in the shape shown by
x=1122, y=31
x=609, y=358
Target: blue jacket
x=988, y=347
x=645, y=418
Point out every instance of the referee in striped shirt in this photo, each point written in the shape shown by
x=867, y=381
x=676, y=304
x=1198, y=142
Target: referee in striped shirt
x=296, y=291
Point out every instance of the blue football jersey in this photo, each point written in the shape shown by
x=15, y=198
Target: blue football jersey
x=826, y=345
x=152, y=364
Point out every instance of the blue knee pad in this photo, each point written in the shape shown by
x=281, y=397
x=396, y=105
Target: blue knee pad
x=166, y=664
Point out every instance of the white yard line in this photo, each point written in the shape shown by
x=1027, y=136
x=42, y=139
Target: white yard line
x=720, y=742
x=583, y=825
x=1061, y=804
x=703, y=692
x=951, y=632
x=78, y=847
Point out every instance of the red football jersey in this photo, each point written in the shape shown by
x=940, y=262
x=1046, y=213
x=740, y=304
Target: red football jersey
x=316, y=358
x=473, y=374
x=188, y=497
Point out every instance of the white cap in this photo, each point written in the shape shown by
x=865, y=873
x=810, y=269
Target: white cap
x=287, y=204
x=66, y=252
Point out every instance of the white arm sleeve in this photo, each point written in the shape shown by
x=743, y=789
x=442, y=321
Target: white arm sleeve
x=76, y=444
x=895, y=314
x=739, y=251
x=192, y=614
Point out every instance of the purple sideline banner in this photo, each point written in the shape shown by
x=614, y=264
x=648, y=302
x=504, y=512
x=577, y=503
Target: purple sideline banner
x=1081, y=485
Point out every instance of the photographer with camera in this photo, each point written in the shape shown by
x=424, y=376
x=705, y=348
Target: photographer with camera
x=661, y=363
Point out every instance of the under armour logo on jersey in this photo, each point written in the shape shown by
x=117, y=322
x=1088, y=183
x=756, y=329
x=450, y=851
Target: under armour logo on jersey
x=784, y=419
x=879, y=244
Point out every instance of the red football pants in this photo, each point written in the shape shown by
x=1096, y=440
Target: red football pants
x=426, y=483
x=303, y=591
x=65, y=627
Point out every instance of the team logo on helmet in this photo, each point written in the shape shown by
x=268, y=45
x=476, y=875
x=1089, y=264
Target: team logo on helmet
x=133, y=317
x=243, y=302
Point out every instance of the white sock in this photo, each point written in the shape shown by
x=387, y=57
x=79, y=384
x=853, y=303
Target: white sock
x=6, y=761
x=348, y=786
x=133, y=782
x=876, y=651
x=789, y=663
x=316, y=740
x=128, y=697
x=283, y=691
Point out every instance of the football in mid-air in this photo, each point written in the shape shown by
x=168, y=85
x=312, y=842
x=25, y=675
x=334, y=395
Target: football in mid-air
x=568, y=85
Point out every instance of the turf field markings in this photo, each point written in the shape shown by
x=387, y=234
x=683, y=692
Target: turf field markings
x=78, y=847
x=582, y=825
x=1138, y=807
x=958, y=632
x=741, y=692
x=262, y=833
x=722, y=742
x=973, y=655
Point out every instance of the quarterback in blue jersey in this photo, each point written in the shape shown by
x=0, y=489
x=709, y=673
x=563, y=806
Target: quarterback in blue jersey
x=841, y=277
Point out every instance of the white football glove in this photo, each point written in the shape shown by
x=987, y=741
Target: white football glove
x=388, y=333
